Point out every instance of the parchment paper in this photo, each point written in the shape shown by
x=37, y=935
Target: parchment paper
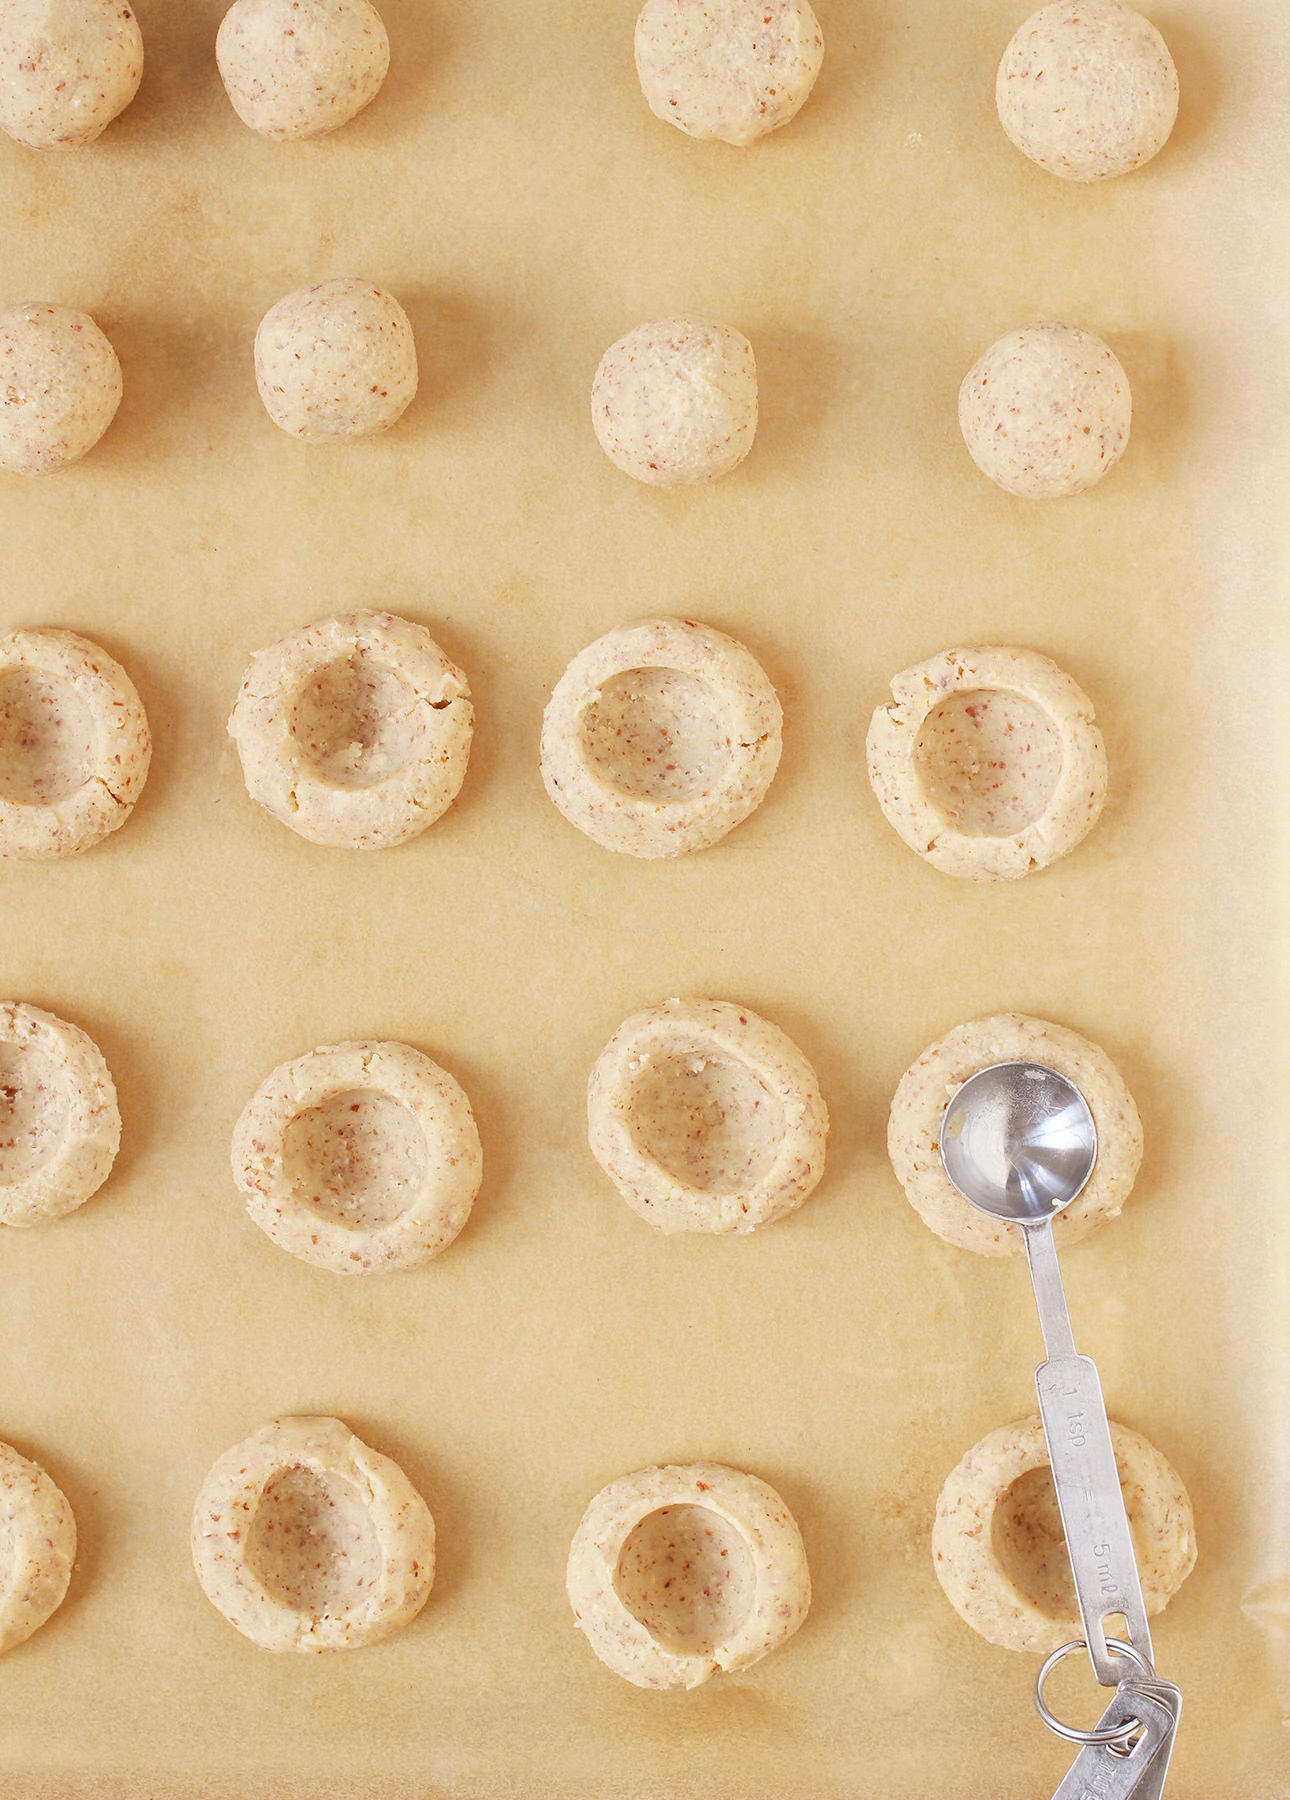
x=511, y=188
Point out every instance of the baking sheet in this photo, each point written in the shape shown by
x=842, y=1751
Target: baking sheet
x=511, y=188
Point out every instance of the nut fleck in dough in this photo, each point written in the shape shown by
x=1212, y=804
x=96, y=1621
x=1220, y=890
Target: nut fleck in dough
x=727, y=69
x=59, y=1125
x=998, y=1547
x=987, y=762
x=675, y=401
x=37, y=1547
x=67, y=68
x=74, y=744
x=927, y=1087
x=299, y=68
x=675, y=1573
x=355, y=731
x=1087, y=90
x=1046, y=411
x=336, y=361
x=307, y=1540
x=706, y=1117
x=359, y=1157
x=660, y=738
x=60, y=386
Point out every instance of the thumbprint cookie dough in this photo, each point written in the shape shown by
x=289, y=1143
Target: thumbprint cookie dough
x=74, y=744
x=1087, y=89
x=927, y=1087
x=336, y=361
x=678, y=1572
x=59, y=1124
x=675, y=402
x=660, y=738
x=1046, y=411
x=706, y=1118
x=307, y=1540
x=37, y=1547
x=355, y=732
x=67, y=68
x=298, y=68
x=987, y=762
x=60, y=386
x=999, y=1550
x=359, y=1157
x=727, y=69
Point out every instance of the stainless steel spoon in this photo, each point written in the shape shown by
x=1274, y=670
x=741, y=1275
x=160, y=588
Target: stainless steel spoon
x=1018, y=1141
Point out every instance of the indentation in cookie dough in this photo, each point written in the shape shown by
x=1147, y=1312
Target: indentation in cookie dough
x=987, y=762
x=660, y=738
x=990, y=761
x=311, y=1543
x=357, y=723
x=656, y=734
x=306, y=1539
x=358, y=1159
x=687, y=1575
x=33, y=1112
x=59, y=1124
x=46, y=739
x=998, y=1547
x=707, y=1120
x=74, y=744
x=706, y=1117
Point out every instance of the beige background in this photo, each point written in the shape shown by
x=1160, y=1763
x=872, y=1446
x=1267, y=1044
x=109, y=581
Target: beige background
x=511, y=188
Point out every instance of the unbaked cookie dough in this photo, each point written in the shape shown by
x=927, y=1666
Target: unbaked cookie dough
x=336, y=361
x=706, y=1118
x=675, y=401
x=299, y=68
x=359, y=1157
x=59, y=1124
x=355, y=731
x=60, y=386
x=727, y=69
x=987, y=762
x=1087, y=89
x=998, y=1547
x=677, y=1572
x=1046, y=411
x=660, y=738
x=927, y=1087
x=37, y=1547
x=67, y=68
x=307, y=1540
x=74, y=744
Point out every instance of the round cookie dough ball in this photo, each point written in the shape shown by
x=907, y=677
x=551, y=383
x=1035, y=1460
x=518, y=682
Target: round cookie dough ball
x=37, y=1547
x=929, y=1084
x=1046, y=411
x=336, y=361
x=305, y=1539
x=727, y=69
x=987, y=762
x=706, y=1118
x=60, y=386
x=299, y=68
x=675, y=401
x=679, y=1572
x=60, y=1128
x=67, y=68
x=1000, y=1553
x=660, y=738
x=1087, y=89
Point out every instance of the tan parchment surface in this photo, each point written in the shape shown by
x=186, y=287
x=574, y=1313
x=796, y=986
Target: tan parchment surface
x=511, y=188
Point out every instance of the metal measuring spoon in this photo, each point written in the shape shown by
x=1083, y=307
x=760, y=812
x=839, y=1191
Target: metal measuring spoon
x=1018, y=1141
